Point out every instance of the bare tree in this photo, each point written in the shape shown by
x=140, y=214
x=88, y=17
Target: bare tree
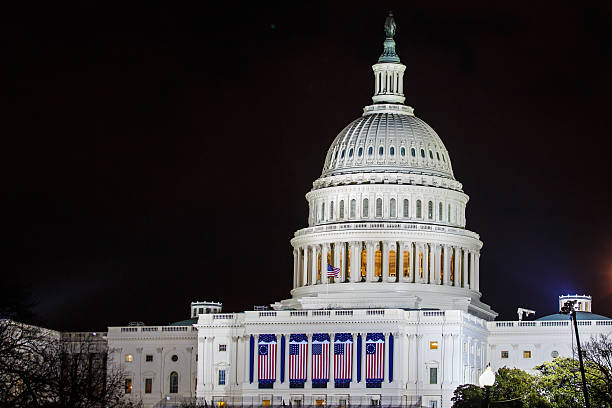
x=38, y=369
x=598, y=359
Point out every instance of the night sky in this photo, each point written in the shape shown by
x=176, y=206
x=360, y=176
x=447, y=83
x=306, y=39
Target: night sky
x=159, y=153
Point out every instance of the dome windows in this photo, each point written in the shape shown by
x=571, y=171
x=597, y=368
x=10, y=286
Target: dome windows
x=392, y=208
x=443, y=159
x=413, y=152
x=406, y=208
x=419, y=213
x=353, y=212
x=341, y=210
x=403, y=151
x=392, y=151
x=422, y=153
x=351, y=152
x=430, y=210
x=381, y=151
x=360, y=152
x=365, y=210
x=440, y=211
x=431, y=155
x=331, y=211
x=370, y=150
x=438, y=154
x=379, y=207
x=342, y=154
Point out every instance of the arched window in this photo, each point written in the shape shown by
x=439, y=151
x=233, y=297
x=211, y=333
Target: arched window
x=443, y=159
x=353, y=213
x=431, y=155
x=392, y=263
x=403, y=151
x=342, y=154
x=412, y=152
x=360, y=152
x=406, y=266
x=438, y=155
x=365, y=210
x=430, y=210
x=392, y=208
x=406, y=208
x=351, y=152
x=381, y=150
x=440, y=206
x=370, y=150
x=335, y=155
x=422, y=153
x=173, y=382
x=379, y=207
x=448, y=213
x=418, y=209
x=322, y=211
x=392, y=151
x=341, y=210
x=331, y=210
x=378, y=263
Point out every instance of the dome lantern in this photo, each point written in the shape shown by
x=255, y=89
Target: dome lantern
x=389, y=71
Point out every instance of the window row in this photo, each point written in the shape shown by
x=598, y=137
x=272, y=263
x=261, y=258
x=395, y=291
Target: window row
x=422, y=210
x=422, y=153
x=173, y=384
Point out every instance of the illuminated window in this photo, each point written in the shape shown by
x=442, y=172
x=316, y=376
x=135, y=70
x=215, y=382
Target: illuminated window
x=148, y=385
x=364, y=262
x=128, y=385
x=392, y=263
x=378, y=263
x=129, y=358
x=406, y=208
x=379, y=207
x=149, y=358
x=465, y=347
x=392, y=151
x=365, y=211
x=504, y=354
x=319, y=268
x=452, y=266
x=413, y=152
x=348, y=264
x=418, y=209
x=406, y=266
x=433, y=375
x=440, y=211
x=392, y=208
x=403, y=151
x=341, y=210
x=222, y=347
x=265, y=403
x=420, y=264
x=381, y=151
x=433, y=345
x=331, y=210
x=442, y=265
x=353, y=213
x=221, y=377
x=527, y=354
x=430, y=210
x=173, y=382
x=370, y=150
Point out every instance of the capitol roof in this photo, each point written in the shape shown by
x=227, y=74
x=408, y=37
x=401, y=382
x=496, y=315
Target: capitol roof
x=579, y=316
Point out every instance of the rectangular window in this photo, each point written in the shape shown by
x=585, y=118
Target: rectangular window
x=129, y=358
x=504, y=354
x=128, y=385
x=433, y=404
x=148, y=385
x=433, y=375
x=222, y=347
x=149, y=358
x=221, y=377
x=433, y=345
x=527, y=354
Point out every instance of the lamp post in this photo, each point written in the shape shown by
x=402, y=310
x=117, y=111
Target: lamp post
x=486, y=380
x=568, y=308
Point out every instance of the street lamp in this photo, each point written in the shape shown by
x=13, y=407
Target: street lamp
x=568, y=308
x=486, y=380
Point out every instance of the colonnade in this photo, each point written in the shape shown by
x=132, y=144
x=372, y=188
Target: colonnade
x=388, y=82
x=386, y=261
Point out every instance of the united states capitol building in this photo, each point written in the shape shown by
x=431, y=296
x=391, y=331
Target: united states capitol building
x=386, y=305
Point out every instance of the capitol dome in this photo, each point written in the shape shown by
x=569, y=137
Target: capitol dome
x=388, y=142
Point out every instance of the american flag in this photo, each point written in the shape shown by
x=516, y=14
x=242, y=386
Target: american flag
x=298, y=353
x=375, y=357
x=267, y=357
x=320, y=357
x=343, y=357
x=332, y=271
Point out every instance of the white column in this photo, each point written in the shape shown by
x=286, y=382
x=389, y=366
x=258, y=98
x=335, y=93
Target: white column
x=412, y=269
x=315, y=265
x=435, y=264
x=200, y=365
x=363, y=357
x=370, y=262
x=384, y=259
x=336, y=262
x=324, y=251
x=464, y=269
x=309, y=362
x=234, y=367
x=425, y=263
x=295, y=269
x=247, y=359
x=477, y=270
x=399, y=269
x=343, y=260
x=332, y=368
x=447, y=250
x=287, y=358
x=278, y=362
x=457, y=281
x=354, y=357
x=356, y=261
x=256, y=360
x=412, y=359
x=304, y=265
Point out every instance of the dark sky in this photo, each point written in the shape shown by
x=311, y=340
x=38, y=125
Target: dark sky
x=159, y=153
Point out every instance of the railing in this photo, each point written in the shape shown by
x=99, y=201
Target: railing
x=174, y=328
x=524, y=324
x=375, y=312
x=436, y=313
x=300, y=313
x=409, y=226
x=129, y=329
x=267, y=314
x=149, y=329
x=223, y=316
x=603, y=323
x=343, y=313
x=320, y=313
